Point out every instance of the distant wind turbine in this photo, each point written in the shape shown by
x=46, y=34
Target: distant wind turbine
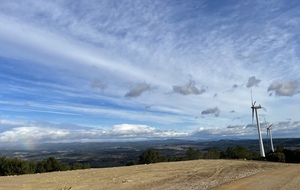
x=254, y=110
x=269, y=134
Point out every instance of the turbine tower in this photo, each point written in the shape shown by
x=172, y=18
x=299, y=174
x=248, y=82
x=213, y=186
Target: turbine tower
x=254, y=110
x=269, y=135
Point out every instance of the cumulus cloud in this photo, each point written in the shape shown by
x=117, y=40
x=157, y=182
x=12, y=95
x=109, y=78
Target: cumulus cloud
x=215, y=111
x=49, y=132
x=132, y=129
x=33, y=133
x=287, y=88
x=138, y=89
x=252, y=81
x=188, y=88
x=142, y=131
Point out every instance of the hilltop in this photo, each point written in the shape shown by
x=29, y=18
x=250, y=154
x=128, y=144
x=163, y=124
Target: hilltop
x=197, y=174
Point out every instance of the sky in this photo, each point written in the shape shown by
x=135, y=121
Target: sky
x=111, y=70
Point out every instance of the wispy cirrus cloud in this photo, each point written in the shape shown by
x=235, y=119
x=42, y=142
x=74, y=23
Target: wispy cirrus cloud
x=60, y=52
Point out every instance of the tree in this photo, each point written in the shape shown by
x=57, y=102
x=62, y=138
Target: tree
x=238, y=152
x=79, y=166
x=76, y=166
x=131, y=163
x=40, y=168
x=292, y=156
x=276, y=157
x=149, y=156
x=51, y=164
x=3, y=165
x=213, y=153
x=279, y=148
x=192, y=154
x=86, y=166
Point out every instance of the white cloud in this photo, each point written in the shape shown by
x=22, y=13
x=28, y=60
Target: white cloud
x=72, y=46
x=50, y=132
x=34, y=134
x=129, y=129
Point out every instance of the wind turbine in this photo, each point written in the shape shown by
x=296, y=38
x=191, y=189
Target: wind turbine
x=254, y=110
x=269, y=135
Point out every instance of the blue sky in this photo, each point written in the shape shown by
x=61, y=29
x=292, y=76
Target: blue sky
x=136, y=70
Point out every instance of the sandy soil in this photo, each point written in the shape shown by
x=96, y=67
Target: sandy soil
x=199, y=174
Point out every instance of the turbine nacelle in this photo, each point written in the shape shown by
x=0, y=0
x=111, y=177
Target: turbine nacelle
x=256, y=107
x=269, y=130
x=270, y=127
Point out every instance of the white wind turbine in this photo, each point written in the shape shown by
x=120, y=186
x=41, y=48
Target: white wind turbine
x=254, y=110
x=269, y=135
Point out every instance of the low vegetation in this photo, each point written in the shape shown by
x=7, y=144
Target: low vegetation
x=237, y=152
x=17, y=166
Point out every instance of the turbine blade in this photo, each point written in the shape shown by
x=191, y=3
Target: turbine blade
x=251, y=97
x=252, y=116
x=266, y=123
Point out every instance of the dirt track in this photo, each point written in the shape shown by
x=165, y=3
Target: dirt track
x=284, y=178
x=200, y=174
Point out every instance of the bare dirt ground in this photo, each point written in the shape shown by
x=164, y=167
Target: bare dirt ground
x=199, y=174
